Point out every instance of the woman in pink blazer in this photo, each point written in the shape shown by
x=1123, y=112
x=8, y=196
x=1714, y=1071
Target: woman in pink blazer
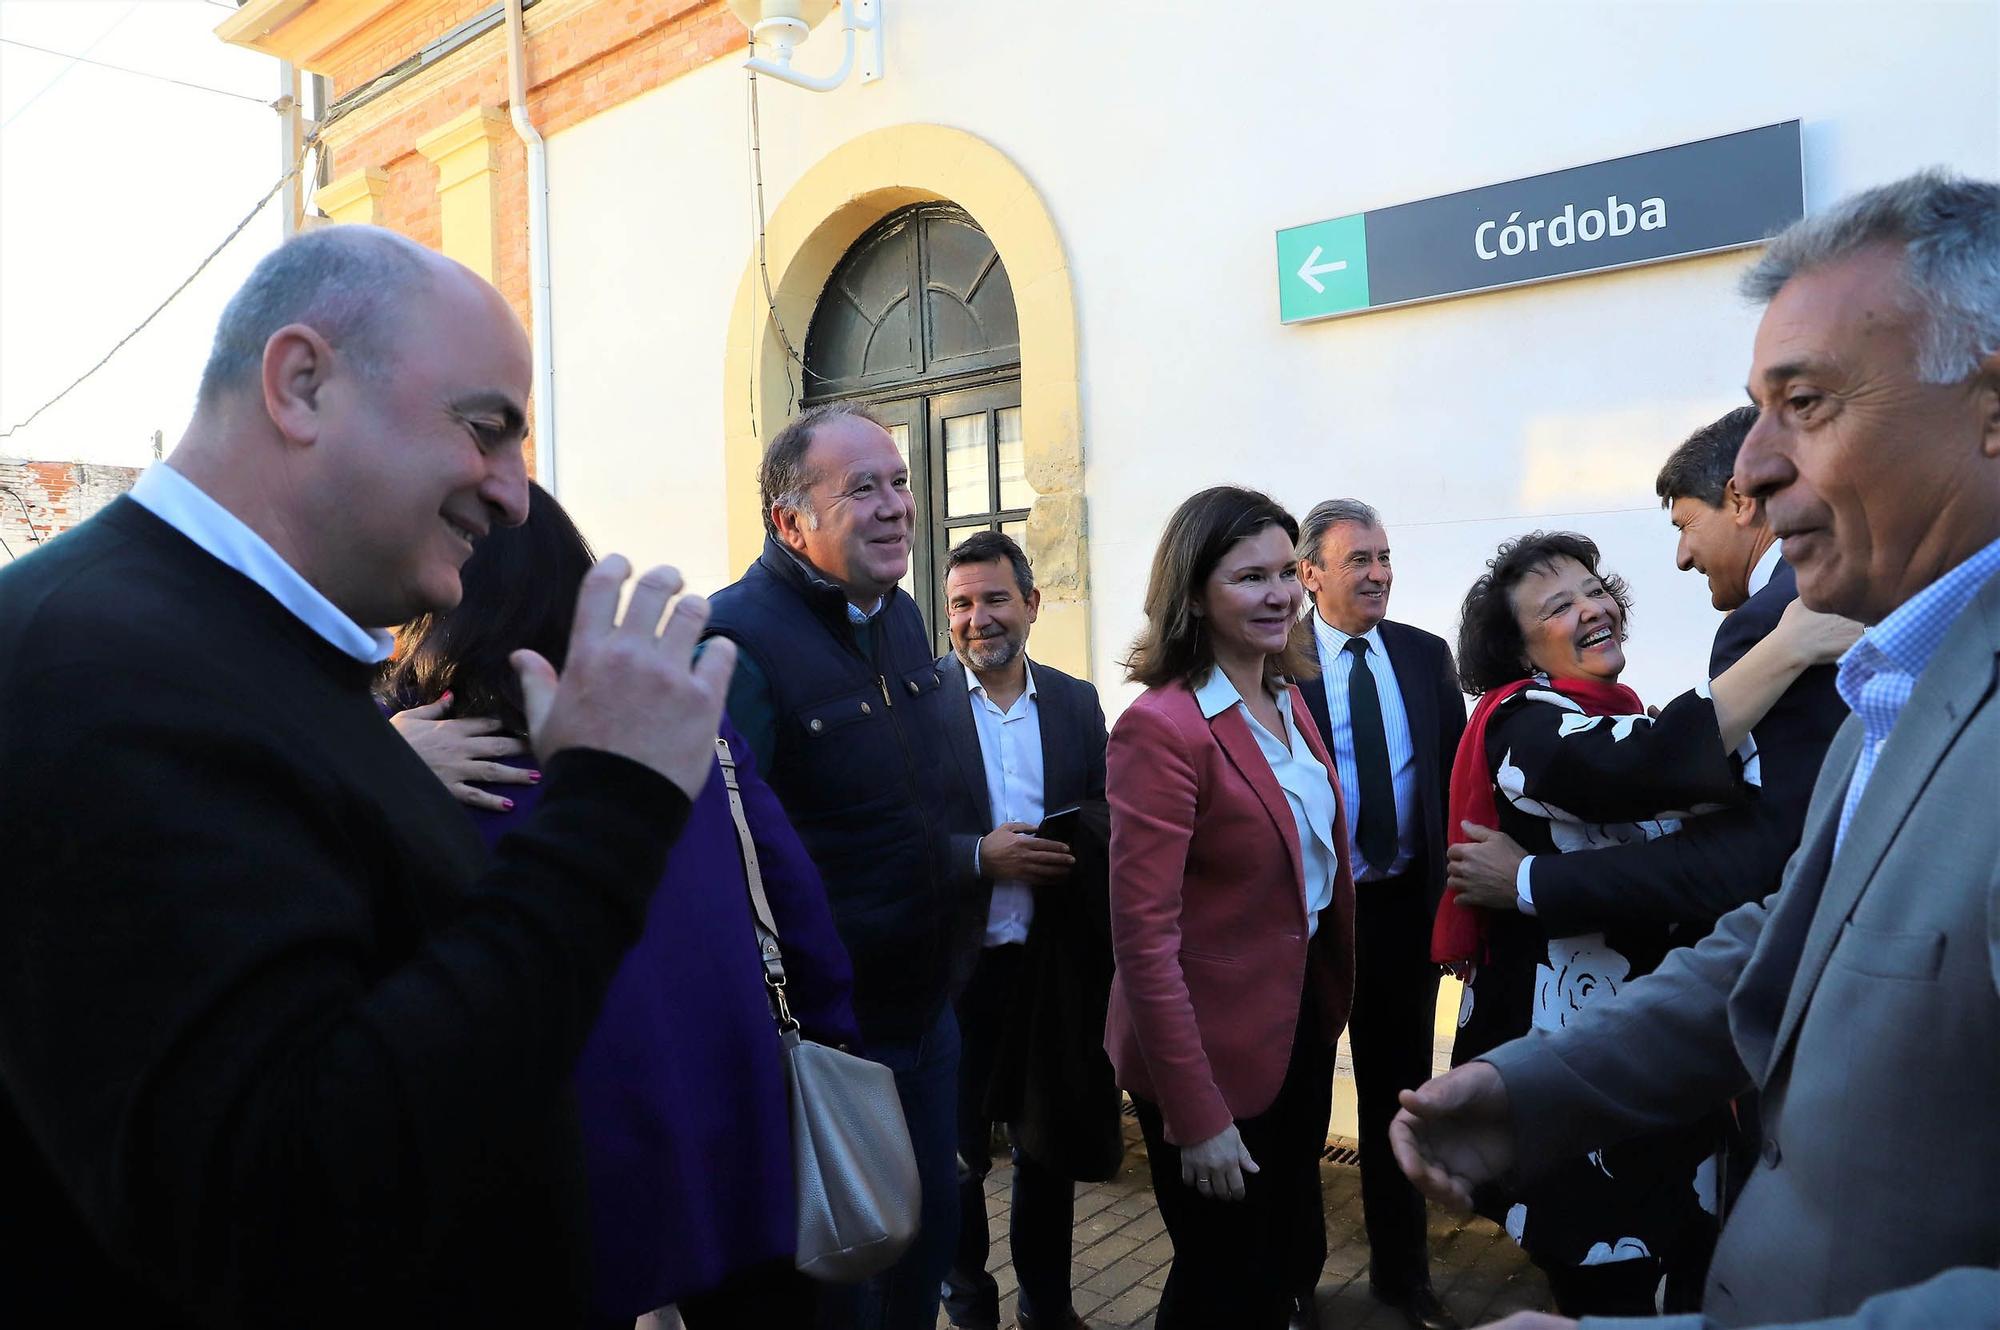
x=1232, y=917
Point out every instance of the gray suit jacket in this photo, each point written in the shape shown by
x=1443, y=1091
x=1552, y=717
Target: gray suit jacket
x=1863, y=1000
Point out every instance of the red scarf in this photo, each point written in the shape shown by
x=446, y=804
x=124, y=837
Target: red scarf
x=1458, y=937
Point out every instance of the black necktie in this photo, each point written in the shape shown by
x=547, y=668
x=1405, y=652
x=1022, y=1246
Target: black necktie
x=1375, y=827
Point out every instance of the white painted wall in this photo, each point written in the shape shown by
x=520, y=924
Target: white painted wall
x=1169, y=150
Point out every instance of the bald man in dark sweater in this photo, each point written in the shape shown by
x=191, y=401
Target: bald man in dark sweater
x=280, y=1043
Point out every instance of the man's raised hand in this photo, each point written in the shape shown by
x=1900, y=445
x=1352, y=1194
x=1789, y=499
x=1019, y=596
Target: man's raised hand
x=631, y=686
x=1453, y=1134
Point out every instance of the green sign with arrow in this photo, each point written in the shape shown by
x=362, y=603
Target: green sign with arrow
x=1693, y=198
x=1323, y=268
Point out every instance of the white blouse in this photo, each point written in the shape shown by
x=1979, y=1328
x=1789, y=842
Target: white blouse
x=1307, y=788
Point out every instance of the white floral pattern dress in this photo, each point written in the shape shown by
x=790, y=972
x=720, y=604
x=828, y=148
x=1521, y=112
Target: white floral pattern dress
x=1565, y=780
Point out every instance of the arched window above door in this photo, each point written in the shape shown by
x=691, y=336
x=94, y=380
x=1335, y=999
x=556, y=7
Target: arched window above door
x=872, y=330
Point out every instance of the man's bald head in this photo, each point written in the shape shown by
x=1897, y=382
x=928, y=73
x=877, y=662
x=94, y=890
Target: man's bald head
x=364, y=411
x=347, y=283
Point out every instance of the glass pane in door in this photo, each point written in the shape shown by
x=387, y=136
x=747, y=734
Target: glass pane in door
x=1015, y=491
x=967, y=489
x=1017, y=531
x=901, y=434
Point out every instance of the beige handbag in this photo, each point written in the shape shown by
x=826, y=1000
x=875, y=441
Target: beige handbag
x=855, y=1173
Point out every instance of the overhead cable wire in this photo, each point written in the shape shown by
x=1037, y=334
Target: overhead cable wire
x=792, y=355
x=310, y=146
x=763, y=266
x=27, y=519
x=126, y=69
x=63, y=73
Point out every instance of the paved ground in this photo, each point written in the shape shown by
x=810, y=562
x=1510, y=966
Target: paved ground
x=1120, y=1251
x=1120, y=1254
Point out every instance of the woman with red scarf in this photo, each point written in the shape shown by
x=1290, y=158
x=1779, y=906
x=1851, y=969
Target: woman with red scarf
x=1561, y=756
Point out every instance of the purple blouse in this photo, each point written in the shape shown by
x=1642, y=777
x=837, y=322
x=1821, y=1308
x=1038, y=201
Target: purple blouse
x=681, y=1089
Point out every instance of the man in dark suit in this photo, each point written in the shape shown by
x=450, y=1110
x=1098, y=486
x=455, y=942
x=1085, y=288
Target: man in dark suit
x=1719, y=861
x=1033, y=945
x=1388, y=703
x=1862, y=998
x=1716, y=862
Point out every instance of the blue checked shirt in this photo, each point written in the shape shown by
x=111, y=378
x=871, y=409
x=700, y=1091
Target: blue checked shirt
x=1879, y=672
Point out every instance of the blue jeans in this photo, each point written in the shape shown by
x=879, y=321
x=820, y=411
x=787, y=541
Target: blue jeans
x=905, y=1296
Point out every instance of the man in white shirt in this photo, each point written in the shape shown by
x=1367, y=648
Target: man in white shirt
x=1388, y=704
x=1034, y=952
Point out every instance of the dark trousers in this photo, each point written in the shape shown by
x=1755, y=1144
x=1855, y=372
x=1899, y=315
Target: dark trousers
x=1391, y=1036
x=905, y=1296
x=1043, y=1207
x=1241, y=1264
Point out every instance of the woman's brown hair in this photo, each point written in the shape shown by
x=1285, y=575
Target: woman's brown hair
x=1174, y=646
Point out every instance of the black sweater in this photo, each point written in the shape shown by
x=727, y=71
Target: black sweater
x=280, y=1043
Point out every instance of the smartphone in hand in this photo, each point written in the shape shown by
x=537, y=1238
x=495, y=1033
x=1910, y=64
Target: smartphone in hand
x=1062, y=825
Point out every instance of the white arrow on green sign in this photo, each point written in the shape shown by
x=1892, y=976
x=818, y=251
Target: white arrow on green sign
x=1323, y=268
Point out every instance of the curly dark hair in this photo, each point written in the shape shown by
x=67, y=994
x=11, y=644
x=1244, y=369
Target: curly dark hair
x=1491, y=650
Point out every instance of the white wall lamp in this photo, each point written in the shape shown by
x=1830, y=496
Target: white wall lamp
x=778, y=26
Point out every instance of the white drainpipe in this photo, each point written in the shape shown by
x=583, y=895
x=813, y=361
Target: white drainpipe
x=538, y=250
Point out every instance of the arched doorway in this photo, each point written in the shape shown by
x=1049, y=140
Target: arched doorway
x=918, y=322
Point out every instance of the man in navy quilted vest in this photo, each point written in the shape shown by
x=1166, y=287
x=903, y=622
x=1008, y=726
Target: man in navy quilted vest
x=837, y=691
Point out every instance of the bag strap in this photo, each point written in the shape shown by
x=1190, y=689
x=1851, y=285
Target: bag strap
x=760, y=904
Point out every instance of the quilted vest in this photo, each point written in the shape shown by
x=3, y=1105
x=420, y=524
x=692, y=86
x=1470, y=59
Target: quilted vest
x=859, y=764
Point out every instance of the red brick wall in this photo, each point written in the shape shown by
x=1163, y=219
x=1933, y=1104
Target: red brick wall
x=41, y=500
x=590, y=59
x=593, y=58
x=400, y=32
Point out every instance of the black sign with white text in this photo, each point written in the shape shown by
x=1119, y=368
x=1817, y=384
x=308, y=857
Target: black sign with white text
x=1695, y=198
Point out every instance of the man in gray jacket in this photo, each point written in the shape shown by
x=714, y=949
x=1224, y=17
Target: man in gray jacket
x=1862, y=999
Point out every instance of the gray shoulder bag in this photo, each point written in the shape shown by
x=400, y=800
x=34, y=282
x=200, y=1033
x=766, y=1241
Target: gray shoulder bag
x=855, y=1174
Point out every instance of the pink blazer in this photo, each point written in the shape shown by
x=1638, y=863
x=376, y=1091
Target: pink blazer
x=1208, y=917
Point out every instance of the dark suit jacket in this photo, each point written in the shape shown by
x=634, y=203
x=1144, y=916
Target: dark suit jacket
x=1436, y=708
x=1862, y=1000
x=1721, y=860
x=1051, y=1079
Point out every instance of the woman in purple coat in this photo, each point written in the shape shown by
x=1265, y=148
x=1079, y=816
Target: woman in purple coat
x=680, y=1089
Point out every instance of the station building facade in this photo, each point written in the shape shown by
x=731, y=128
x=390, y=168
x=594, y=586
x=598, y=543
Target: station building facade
x=1041, y=246
x=1044, y=247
